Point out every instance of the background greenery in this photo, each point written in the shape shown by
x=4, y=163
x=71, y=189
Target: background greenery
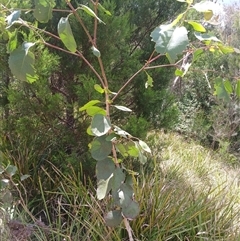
x=190, y=192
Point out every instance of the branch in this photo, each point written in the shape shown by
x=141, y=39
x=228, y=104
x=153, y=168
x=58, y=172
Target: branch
x=129, y=230
x=74, y=11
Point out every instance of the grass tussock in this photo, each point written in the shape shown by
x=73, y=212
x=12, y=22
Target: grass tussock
x=186, y=193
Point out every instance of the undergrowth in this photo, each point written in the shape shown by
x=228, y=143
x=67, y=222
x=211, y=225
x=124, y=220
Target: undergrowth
x=186, y=192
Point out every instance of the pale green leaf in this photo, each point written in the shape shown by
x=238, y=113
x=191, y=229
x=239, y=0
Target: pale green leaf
x=11, y=170
x=100, y=125
x=98, y=88
x=6, y=197
x=89, y=131
x=205, y=6
x=14, y=16
x=103, y=188
x=179, y=17
x=113, y=218
x=206, y=37
x=21, y=62
x=4, y=183
x=13, y=41
x=220, y=90
x=100, y=148
x=142, y=158
x=121, y=149
x=94, y=110
x=111, y=137
x=225, y=49
x=178, y=72
x=197, y=26
x=43, y=10
x=66, y=35
x=90, y=12
x=208, y=15
x=170, y=41
x=132, y=149
x=123, y=108
x=197, y=54
x=89, y=104
x=23, y=177
x=101, y=8
x=144, y=146
x=96, y=52
x=121, y=132
x=228, y=86
x=149, y=81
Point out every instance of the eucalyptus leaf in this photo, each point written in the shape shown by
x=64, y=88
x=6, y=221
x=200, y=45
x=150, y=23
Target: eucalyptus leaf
x=100, y=125
x=7, y=197
x=228, y=86
x=113, y=218
x=105, y=168
x=170, y=41
x=43, y=10
x=205, y=6
x=14, y=16
x=23, y=177
x=121, y=132
x=208, y=15
x=4, y=183
x=144, y=146
x=220, y=90
x=96, y=52
x=142, y=159
x=132, y=149
x=100, y=148
x=94, y=110
x=121, y=149
x=101, y=8
x=197, y=26
x=131, y=211
x=66, y=35
x=118, y=178
x=123, y=108
x=149, y=81
x=206, y=37
x=11, y=170
x=225, y=49
x=21, y=62
x=90, y=12
x=90, y=103
x=13, y=41
x=179, y=72
x=197, y=54
x=98, y=88
x=103, y=188
x=125, y=194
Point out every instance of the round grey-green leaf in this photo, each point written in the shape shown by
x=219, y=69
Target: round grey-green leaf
x=105, y=168
x=131, y=211
x=113, y=218
x=100, y=148
x=100, y=125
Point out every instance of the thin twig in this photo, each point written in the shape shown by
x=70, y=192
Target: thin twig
x=74, y=11
x=128, y=228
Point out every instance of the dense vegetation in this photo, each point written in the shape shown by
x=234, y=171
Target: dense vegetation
x=187, y=189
